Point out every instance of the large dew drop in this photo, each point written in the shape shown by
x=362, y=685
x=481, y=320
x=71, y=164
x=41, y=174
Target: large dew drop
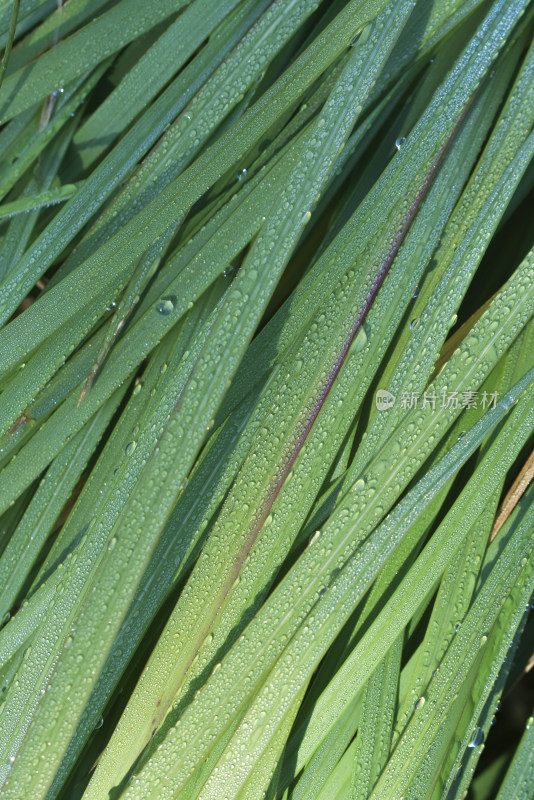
x=165, y=306
x=359, y=342
x=477, y=738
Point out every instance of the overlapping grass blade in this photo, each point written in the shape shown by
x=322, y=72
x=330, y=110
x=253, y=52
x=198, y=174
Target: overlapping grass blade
x=520, y=775
x=242, y=575
x=81, y=51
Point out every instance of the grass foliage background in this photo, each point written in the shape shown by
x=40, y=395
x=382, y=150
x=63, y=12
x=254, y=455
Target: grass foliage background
x=228, y=231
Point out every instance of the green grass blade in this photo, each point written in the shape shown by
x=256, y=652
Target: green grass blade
x=432, y=722
x=22, y=550
x=125, y=102
x=226, y=569
x=376, y=729
x=81, y=52
x=41, y=200
x=329, y=112
x=10, y=37
x=404, y=602
x=520, y=775
x=179, y=197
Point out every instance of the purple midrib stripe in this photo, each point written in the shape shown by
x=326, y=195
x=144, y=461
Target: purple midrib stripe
x=304, y=429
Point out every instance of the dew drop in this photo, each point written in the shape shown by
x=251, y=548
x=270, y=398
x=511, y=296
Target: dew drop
x=413, y=324
x=99, y=723
x=477, y=739
x=420, y=703
x=130, y=447
x=242, y=174
x=165, y=306
x=359, y=342
x=359, y=485
x=400, y=141
x=508, y=401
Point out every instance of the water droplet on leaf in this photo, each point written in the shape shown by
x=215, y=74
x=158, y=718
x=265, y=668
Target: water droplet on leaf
x=477, y=738
x=165, y=306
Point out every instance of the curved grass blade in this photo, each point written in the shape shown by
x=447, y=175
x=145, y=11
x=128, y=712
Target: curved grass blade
x=520, y=775
x=318, y=774
x=331, y=112
x=65, y=18
x=203, y=116
x=10, y=38
x=241, y=671
x=420, y=580
x=436, y=715
x=23, y=548
x=107, y=265
x=141, y=275
x=377, y=718
x=80, y=52
x=21, y=229
x=26, y=149
x=121, y=107
x=42, y=200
